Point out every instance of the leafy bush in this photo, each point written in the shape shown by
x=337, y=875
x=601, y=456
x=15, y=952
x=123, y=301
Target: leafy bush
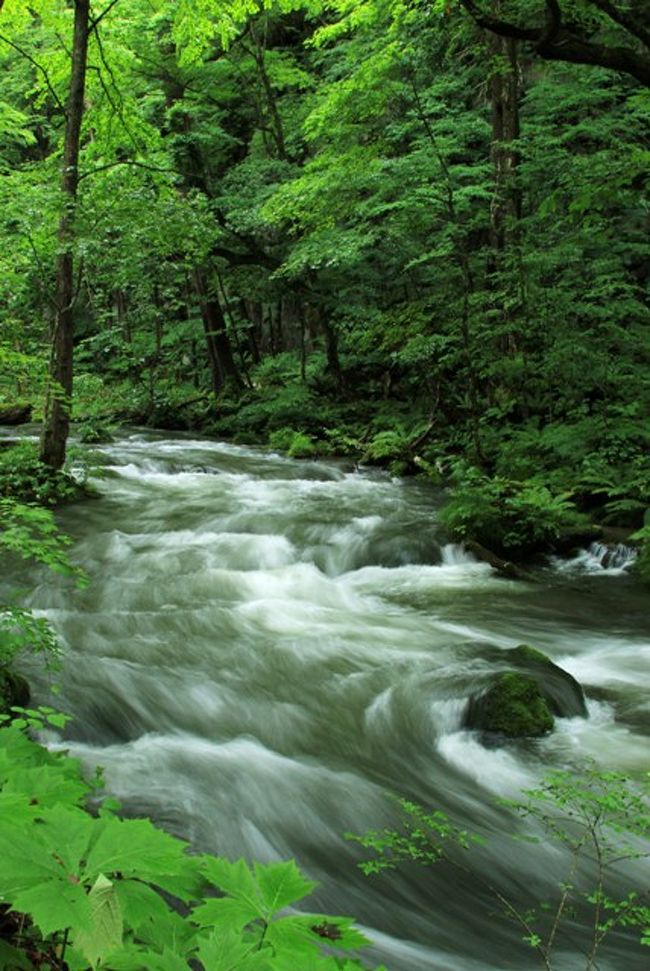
x=386, y=446
x=94, y=431
x=509, y=517
x=281, y=439
x=302, y=447
x=343, y=440
x=30, y=533
x=96, y=890
x=24, y=477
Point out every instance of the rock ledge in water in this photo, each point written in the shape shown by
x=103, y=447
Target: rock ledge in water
x=523, y=702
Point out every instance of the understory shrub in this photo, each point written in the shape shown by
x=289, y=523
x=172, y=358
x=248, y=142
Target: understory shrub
x=510, y=517
x=25, y=478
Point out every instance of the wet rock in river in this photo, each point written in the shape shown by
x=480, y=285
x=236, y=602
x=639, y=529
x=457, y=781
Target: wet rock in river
x=524, y=701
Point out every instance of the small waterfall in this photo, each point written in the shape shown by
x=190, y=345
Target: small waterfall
x=599, y=559
x=611, y=557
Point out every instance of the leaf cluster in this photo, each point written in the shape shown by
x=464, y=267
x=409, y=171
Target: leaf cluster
x=100, y=891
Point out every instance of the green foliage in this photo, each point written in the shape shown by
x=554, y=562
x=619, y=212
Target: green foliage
x=32, y=534
x=599, y=820
x=282, y=438
x=509, y=517
x=94, y=432
x=386, y=446
x=21, y=631
x=302, y=447
x=24, y=478
x=97, y=890
x=296, y=444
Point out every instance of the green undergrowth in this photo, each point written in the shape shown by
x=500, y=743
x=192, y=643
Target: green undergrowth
x=88, y=889
x=512, y=518
x=25, y=478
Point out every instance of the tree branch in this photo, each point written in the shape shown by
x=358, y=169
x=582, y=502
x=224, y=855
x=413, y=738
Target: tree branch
x=554, y=42
x=39, y=67
x=625, y=20
x=98, y=19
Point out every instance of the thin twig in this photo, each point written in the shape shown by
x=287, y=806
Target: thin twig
x=39, y=67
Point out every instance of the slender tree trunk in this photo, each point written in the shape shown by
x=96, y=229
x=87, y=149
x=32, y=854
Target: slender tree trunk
x=277, y=128
x=332, y=351
x=505, y=209
x=246, y=313
x=220, y=356
x=58, y=404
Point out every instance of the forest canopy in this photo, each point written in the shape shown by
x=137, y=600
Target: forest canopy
x=414, y=231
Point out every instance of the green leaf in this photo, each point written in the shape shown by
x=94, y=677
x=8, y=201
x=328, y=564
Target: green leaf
x=281, y=884
x=54, y=905
x=236, y=880
x=105, y=933
x=226, y=951
x=232, y=913
x=135, y=847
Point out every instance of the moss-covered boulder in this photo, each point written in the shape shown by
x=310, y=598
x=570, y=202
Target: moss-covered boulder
x=524, y=700
x=14, y=691
x=513, y=705
x=563, y=693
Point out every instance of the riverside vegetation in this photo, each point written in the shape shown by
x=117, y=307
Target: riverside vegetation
x=410, y=232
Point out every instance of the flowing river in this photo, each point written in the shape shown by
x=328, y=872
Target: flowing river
x=269, y=648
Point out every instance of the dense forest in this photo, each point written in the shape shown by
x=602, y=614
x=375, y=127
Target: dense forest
x=409, y=234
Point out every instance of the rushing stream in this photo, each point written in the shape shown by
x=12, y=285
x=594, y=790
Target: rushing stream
x=268, y=648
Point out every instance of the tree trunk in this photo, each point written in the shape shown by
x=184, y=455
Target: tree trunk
x=59, y=398
x=505, y=209
x=332, y=350
x=220, y=356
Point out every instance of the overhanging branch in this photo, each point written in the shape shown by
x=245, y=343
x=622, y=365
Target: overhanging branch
x=556, y=42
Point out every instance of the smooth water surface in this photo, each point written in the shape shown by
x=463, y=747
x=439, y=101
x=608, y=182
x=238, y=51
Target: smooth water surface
x=269, y=648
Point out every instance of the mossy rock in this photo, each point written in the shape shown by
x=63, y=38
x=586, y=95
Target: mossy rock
x=14, y=691
x=525, y=701
x=562, y=692
x=512, y=706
